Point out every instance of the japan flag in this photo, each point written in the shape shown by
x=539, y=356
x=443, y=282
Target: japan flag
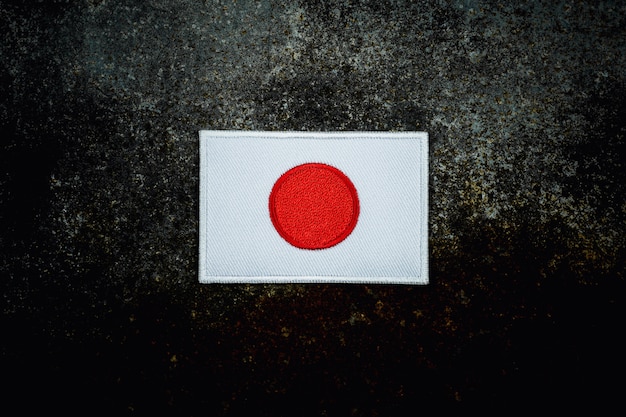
x=304, y=207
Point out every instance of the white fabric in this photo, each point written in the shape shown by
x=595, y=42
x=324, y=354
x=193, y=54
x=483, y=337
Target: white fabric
x=238, y=242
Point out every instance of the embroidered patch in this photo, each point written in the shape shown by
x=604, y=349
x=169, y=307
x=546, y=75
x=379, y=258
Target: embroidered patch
x=314, y=206
x=323, y=207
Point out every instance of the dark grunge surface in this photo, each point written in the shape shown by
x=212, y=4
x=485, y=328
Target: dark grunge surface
x=100, y=105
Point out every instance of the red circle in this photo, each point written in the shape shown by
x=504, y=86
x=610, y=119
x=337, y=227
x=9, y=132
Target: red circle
x=314, y=206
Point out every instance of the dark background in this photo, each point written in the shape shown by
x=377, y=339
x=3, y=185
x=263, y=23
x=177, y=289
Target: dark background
x=100, y=107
